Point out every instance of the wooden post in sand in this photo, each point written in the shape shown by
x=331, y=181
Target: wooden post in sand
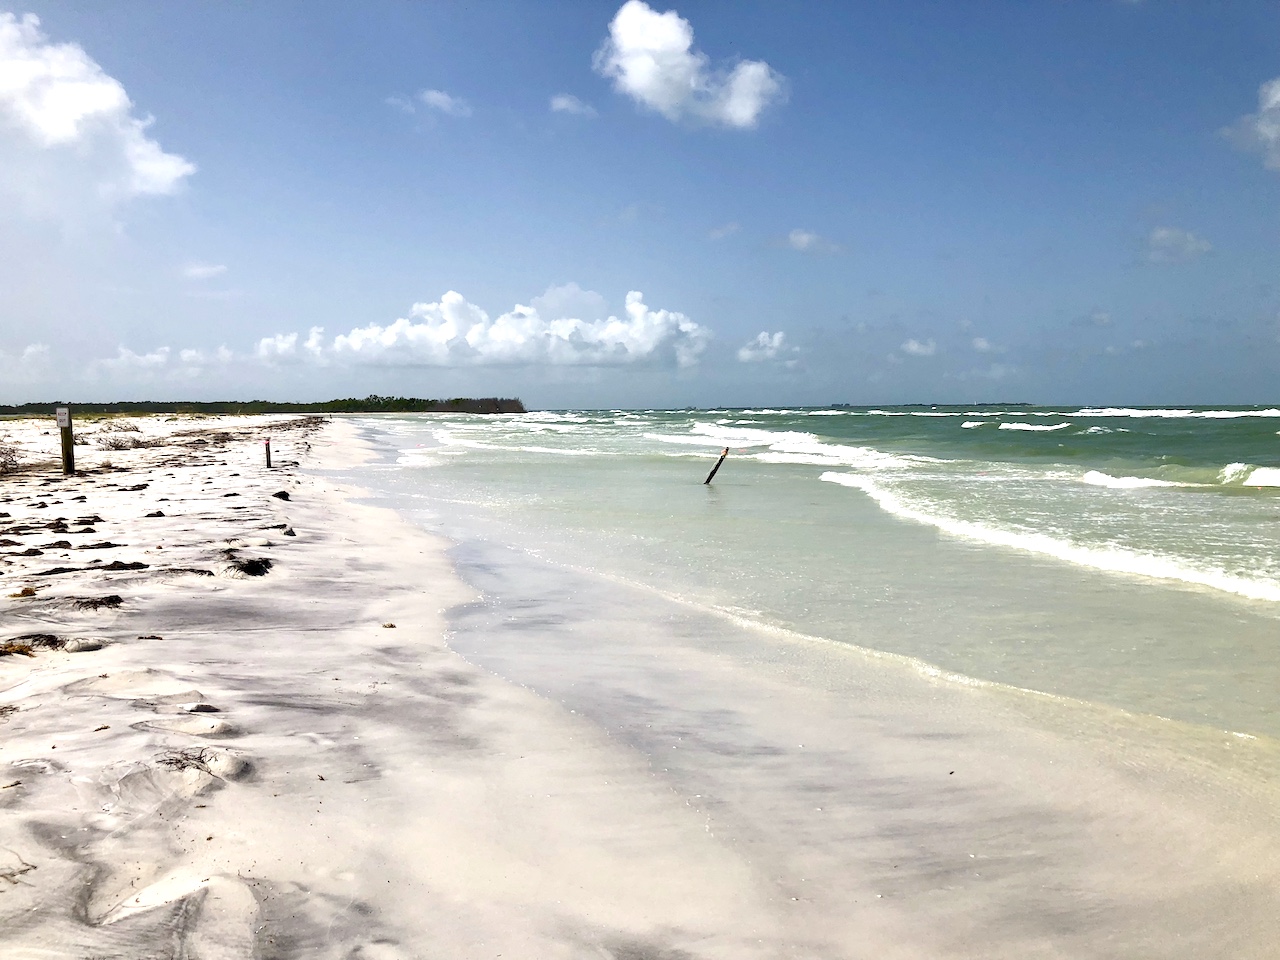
x=716, y=467
x=68, y=441
x=267, y=443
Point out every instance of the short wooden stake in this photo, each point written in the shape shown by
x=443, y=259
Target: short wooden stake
x=716, y=467
x=267, y=443
x=68, y=441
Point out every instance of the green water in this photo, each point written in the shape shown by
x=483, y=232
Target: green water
x=1126, y=559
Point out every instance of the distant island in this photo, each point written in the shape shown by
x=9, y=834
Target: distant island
x=369, y=404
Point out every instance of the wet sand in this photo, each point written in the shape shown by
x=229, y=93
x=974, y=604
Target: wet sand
x=296, y=759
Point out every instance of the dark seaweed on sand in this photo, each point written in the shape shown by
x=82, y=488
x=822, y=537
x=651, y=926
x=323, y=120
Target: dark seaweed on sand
x=96, y=603
x=28, y=643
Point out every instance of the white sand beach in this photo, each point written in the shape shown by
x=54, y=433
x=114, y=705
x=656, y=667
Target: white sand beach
x=232, y=725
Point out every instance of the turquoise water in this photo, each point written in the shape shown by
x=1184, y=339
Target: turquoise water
x=1122, y=556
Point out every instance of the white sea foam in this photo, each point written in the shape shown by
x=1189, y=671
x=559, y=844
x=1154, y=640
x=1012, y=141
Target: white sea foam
x=1234, y=471
x=828, y=413
x=413, y=458
x=1109, y=559
x=557, y=451
x=791, y=446
x=686, y=439
x=548, y=416
x=972, y=424
x=1016, y=413
x=451, y=438
x=1174, y=414
x=912, y=413
x=1035, y=427
x=1264, y=477
x=1099, y=479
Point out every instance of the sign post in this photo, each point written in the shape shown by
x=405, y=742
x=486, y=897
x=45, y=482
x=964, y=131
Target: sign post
x=68, y=441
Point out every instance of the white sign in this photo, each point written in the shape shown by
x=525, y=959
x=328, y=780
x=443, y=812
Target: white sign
x=64, y=417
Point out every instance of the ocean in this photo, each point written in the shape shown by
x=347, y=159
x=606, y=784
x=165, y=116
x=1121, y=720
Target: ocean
x=1116, y=559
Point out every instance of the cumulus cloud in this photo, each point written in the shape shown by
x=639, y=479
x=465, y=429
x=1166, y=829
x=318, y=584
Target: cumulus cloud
x=920, y=348
x=203, y=271
x=982, y=345
x=649, y=56
x=162, y=363
x=765, y=346
x=281, y=345
x=70, y=132
x=1261, y=131
x=284, y=347
x=1172, y=245
x=444, y=103
x=728, y=229
x=568, y=103
x=570, y=300
x=454, y=332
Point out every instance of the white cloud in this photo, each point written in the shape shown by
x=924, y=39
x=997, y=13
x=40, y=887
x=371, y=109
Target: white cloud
x=161, y=363
x=918, y=348
x=285, y=348
x=68, y=134
x=453, y=332
x=281, y=345
x=649, y=56
x=315, y=342
x=719, y=233
x=1261, y=131
x=570, y=300
x=1100, y=318
x=126, y=359
x=203, y=271
x=803, y=239
x=982, y=345
x=1172, y=245
x=568, y=103
x=765, y=346
x=444, y=103
x=200, y=358
x=806, y=241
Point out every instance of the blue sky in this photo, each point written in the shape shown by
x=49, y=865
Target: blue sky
x=597, y=204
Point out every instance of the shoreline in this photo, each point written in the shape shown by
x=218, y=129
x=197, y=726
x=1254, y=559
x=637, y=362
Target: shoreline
x=591, y=776
x=285, y=774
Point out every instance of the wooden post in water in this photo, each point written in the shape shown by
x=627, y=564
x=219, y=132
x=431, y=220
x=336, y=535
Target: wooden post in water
x=716, y=467
x=68, y=441
x=267, y=443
